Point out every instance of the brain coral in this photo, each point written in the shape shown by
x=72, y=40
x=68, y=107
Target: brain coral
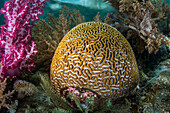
x=95, y=56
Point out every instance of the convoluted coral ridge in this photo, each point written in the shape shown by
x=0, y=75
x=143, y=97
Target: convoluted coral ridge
x=95, y=56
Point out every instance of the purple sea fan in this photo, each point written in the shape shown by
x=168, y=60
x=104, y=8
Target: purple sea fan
x=16, y=52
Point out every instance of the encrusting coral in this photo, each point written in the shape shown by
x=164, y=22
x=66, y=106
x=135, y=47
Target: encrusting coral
x=48, y=34
x=94, y=57
x=142, y=18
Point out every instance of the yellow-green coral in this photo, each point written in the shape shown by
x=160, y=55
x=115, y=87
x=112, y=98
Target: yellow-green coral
x=95, y=56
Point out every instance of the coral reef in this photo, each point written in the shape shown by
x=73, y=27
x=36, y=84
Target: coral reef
x=16, y=52
x=48, y=34
x=24, y=88
x=94, y=57
x=141, y=17
x=90, y=105
x=155, y=94
x=147, y=98
x=95, y=71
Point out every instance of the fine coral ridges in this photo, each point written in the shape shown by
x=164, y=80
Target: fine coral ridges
x=96, y=56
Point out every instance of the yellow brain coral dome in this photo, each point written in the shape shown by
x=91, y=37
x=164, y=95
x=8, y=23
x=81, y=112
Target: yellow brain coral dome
x=95, y=56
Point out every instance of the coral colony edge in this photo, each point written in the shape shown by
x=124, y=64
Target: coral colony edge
x=85, y=56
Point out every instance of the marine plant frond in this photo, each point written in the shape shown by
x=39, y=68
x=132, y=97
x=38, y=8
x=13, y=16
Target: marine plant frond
x=55, y=98
x=76, y=101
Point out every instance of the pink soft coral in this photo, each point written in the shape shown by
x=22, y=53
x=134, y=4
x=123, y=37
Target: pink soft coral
x=16, y=53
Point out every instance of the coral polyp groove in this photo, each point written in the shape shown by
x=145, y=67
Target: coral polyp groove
x=96, y=56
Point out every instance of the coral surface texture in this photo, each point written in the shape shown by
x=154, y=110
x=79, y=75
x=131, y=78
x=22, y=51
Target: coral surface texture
x=95, y=56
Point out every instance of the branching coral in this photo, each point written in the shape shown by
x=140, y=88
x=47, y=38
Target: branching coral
x=47, y=34
x=107, y=19
x=142, y=18
x=3, y=96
